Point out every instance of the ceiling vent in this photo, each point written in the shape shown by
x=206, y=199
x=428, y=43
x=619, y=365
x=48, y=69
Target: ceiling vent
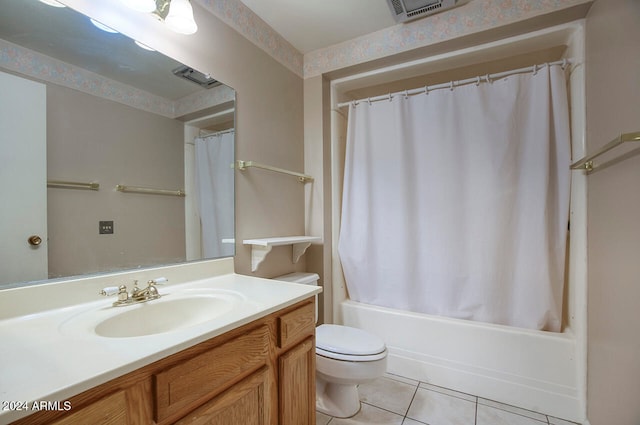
x=203, y=80
x=407, y=10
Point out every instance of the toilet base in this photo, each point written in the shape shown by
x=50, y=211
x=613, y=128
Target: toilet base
x=337, y=400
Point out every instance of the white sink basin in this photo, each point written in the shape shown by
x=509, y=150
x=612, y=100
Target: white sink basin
x=159, y=317
x=170, y=313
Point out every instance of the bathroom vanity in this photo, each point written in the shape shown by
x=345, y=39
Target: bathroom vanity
x=252, y=364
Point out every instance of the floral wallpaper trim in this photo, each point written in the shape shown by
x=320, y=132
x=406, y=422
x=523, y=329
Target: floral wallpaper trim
x=239, y=17
x=473, y=17
x=204, y=99
x=44, y=68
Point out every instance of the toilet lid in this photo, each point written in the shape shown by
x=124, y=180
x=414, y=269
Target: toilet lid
x=347, y=340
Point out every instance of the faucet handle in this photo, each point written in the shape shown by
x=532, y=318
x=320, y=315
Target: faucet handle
x=158, y=281
x=109, y=290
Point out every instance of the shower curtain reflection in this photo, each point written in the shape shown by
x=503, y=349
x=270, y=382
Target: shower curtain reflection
x=455, y=202
x=214, y=156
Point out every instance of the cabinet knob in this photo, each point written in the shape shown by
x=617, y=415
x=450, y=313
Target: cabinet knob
x=34, y=240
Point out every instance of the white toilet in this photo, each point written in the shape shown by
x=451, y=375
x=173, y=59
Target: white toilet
x=345, y=358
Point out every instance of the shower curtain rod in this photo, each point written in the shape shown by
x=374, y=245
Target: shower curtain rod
x=452, y=84
x=219, y=133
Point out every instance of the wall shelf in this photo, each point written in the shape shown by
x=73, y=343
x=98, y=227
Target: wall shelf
x=261, y=247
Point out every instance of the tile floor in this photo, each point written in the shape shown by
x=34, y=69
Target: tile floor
x=395, y=400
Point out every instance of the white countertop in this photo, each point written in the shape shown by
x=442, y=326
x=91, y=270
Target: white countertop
x=44, y=359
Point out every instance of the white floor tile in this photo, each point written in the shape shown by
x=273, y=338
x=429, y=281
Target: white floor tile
x=513, y=409
x=370, y=415
x=491, y=416
x=447, y=391
x=557, y=421
x=441, y=409
x=408, y=421
x=402, y=379
x=388, y=394
x=387, y=400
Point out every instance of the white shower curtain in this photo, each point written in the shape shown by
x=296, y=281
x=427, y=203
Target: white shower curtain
x=456, y=202
x=214, y=157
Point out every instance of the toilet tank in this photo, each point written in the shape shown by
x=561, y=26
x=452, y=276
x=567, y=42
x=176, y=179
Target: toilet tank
x=302, y=278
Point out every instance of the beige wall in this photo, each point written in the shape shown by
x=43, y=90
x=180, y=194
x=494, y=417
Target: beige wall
x=317, y=160
x=93, y=139
x=613, y=107
x=269, y=127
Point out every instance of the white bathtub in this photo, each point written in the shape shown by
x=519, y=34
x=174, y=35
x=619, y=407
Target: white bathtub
x=531, y=369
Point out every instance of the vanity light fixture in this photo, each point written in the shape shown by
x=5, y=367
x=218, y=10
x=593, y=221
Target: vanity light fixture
x=177, y=14
x=180, y=17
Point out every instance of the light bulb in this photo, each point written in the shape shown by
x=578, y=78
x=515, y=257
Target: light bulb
x=141, y=5
x=180, y=17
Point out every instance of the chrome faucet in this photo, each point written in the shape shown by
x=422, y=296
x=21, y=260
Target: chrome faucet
x=137, y=295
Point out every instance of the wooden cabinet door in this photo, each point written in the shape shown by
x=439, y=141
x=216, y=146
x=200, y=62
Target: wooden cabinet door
x=297, y=385
x=246, y=403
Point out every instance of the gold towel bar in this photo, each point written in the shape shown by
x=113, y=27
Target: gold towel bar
x=586, y=163
x=149, y=190
x=73, y=185
x=302, y=178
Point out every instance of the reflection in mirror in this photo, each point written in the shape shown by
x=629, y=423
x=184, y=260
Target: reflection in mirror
x=82, y=105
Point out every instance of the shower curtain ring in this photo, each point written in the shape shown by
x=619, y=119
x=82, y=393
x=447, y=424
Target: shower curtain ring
x=406, y=94
x=478, y=81
x=390, y=97
x=564, y=64
x=369, y=100
x=535, y=70
x=426, y=90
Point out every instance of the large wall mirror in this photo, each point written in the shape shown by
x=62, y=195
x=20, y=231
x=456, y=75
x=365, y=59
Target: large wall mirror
x=112, y=156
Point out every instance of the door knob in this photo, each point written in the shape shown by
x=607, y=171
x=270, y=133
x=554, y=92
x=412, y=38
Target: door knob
x=34, y=240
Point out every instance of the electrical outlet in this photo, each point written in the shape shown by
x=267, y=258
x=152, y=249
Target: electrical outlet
x=105, y=227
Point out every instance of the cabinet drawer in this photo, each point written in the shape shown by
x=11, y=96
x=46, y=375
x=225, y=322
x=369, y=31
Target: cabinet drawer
x=195, y=380
x=296, y=324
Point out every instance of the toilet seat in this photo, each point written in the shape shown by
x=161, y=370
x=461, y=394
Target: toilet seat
x=348, y=344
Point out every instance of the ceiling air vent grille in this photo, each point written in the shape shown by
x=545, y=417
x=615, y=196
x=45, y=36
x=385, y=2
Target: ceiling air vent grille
x=197, y=77
x=424, y=10
x=407, y=10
